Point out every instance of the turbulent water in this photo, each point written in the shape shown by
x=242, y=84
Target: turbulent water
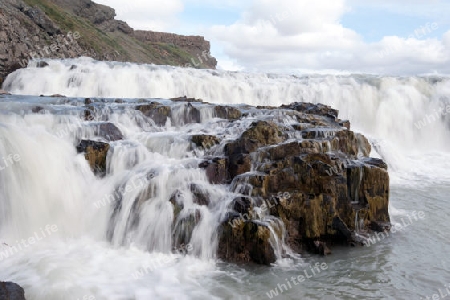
x=75, y=250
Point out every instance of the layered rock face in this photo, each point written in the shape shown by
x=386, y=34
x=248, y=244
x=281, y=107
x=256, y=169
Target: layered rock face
x=323, y=186
x=67, y=29
x=27, y=32
x=306, y=180
x=197, y=46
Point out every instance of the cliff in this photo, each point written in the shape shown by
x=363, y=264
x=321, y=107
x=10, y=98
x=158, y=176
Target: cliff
x=197, y=46
x=66, y=29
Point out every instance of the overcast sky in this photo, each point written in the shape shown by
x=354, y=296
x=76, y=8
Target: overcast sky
x=370, y=36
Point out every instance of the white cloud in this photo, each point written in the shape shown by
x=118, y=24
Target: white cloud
x=277, y=35
x=294, y=17
x=303, y=34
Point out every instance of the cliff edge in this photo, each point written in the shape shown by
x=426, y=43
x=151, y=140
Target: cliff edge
x=72, y=28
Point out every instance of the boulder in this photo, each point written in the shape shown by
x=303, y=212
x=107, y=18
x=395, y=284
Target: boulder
x=314, y=178
x=11, y=291
x=190, y=115
x=183, y=226
x=227, y=112
x=245, y=241
x=95, y=153
x=205, y=141
x=41, y=64
x=328, y=177
x=41, y=19
x=156, y=111
x=259, y=134
x=108, y=131
x=313, y=109
x=185, y=99
x=216, y=170
x=200, y=195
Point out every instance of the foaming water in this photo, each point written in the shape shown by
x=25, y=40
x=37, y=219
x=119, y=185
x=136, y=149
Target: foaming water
x=407, y=116
x=134, y=234
x=74, y=268
x=113, y=237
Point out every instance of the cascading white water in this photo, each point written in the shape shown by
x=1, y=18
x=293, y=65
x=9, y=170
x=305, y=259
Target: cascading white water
x=131, y=247
x=397, y=113
x=129, y=213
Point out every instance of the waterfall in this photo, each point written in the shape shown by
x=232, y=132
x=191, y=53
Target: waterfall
x=154, y=216
x=393, y=110
x=154, y=197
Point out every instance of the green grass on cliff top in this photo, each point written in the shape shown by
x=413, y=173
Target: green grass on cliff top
x=115, y=45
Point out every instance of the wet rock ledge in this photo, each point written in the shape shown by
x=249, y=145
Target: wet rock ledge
x=304, y=175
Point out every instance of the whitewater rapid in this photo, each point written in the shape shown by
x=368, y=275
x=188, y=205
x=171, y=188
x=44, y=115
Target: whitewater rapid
x=403, y=117
x=130, y=255
x=109, y=237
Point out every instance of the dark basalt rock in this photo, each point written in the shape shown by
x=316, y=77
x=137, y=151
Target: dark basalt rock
x=37, y=109
x=328, y=178
x=216, y=170
x=315, y=186
x=380, y=226
x=227, y=112
x=321, y=248
x=184, y=226
x=340, y=226
x=41, y=64
x=95, y=153
x=242, y=205
x=201, y=196
x=259, y=134
x=345, y=123
x=205, y=141
x=313, y=109
x=41, y=19
x=191, y=114
x=245, y=242
x=108, y=131
x=11, y=291
x=376, y=162
x=156, y=111
x=185, y=99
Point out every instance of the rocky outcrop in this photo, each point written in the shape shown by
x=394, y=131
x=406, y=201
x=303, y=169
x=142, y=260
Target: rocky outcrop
x=246, y=242
x=197, y=46
x=307, y=185
x=11, y=291
x=227, y=112
x=27, y=32
x=329, y=180
x=100, y=15
x=107, y=131
x=156, y=111
x=315, y=176
x=95, y=153
x=72, y=28
x=205, y=141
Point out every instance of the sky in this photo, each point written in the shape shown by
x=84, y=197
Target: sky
x=396, y=37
